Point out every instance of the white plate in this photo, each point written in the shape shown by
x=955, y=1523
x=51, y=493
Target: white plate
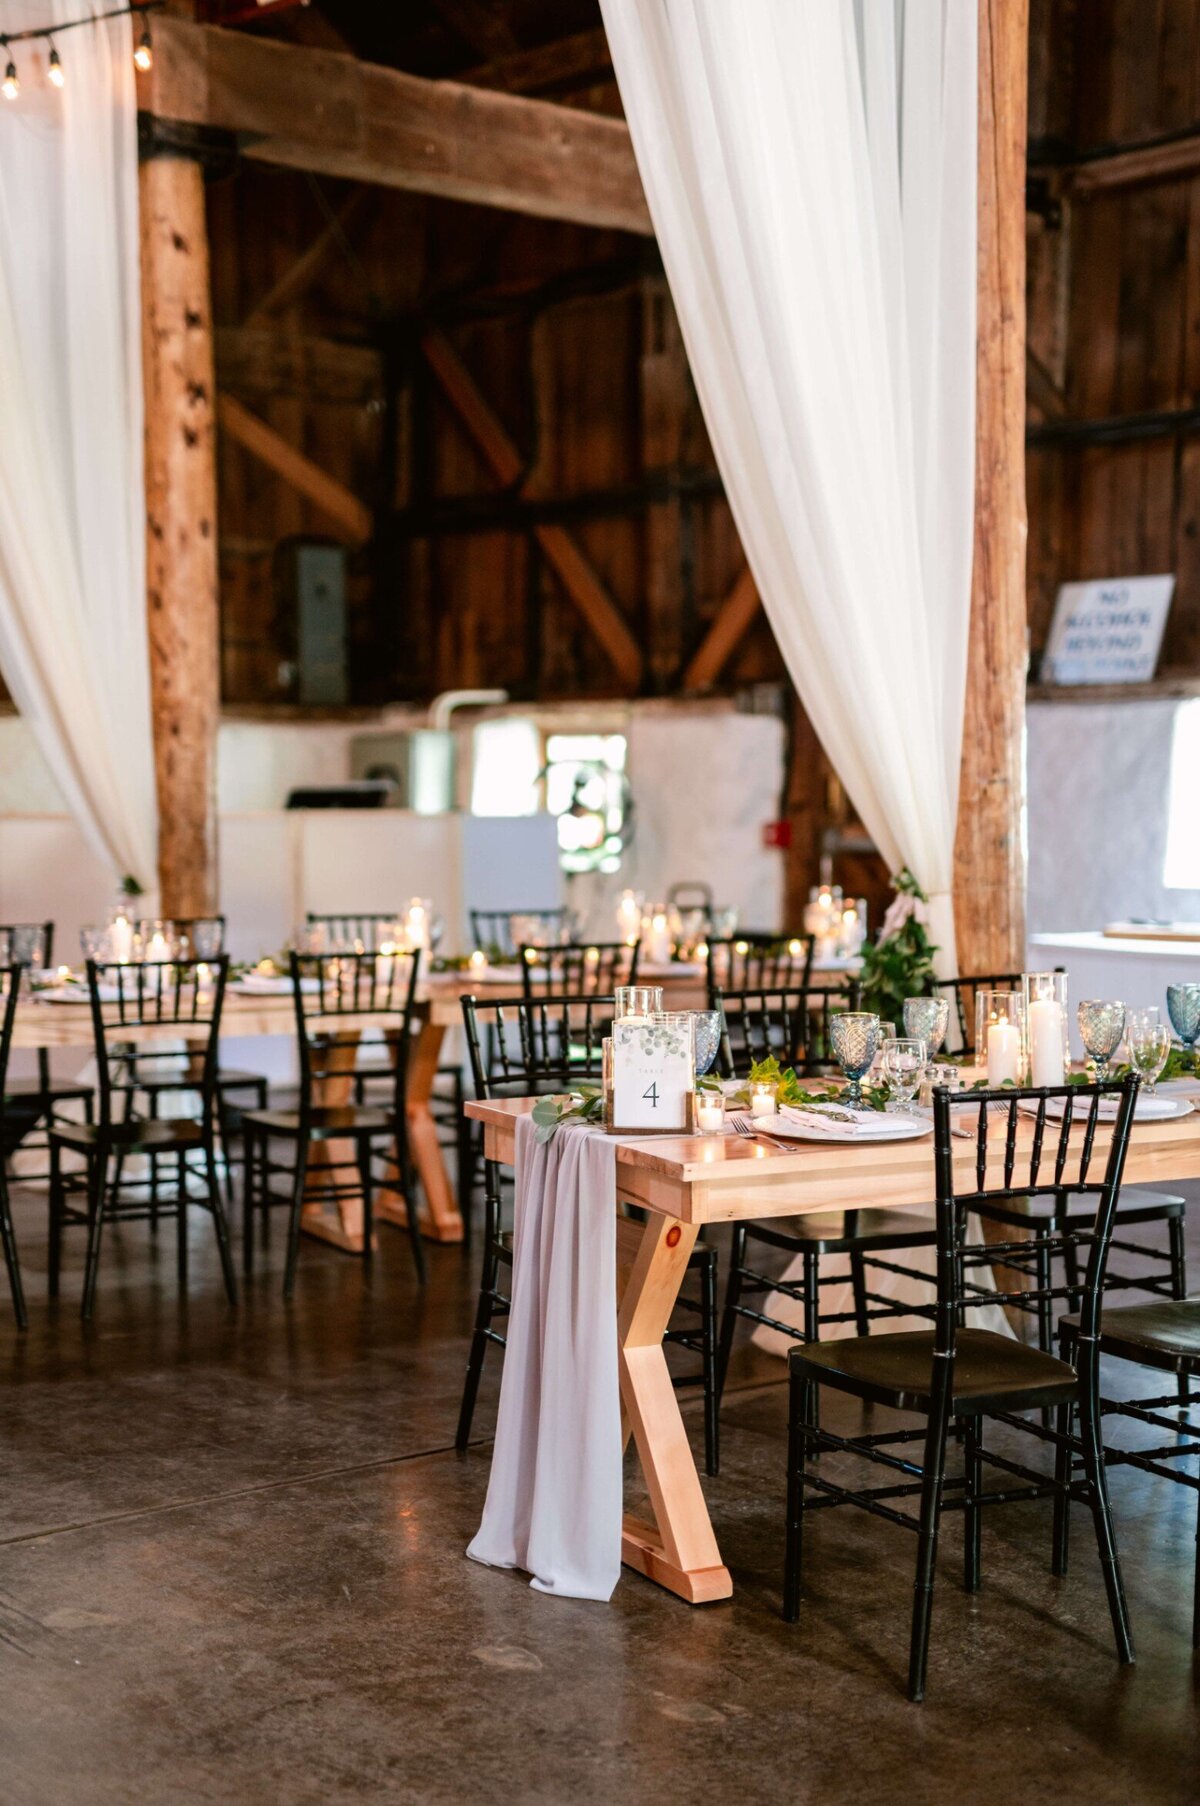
x=1179, y=1087
x=906, y=1129
x=270, y=987
x=1148, y=1109
x=79, y=994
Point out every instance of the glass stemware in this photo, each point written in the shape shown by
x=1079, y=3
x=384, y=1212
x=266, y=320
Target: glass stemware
x=706, y=1033
x=1183, y=1006
x=206, y=938
x=904, y=1061
x=1101, y=1026
x=1149, y=1045
x=854, y=1036
x=927, y=1019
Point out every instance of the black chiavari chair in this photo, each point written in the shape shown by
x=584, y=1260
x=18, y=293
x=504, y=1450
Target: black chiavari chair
x=529, y=1047
x=592, y=969
x=336, y=993
x=36, y=1099
x=752, y=962
x=156, y=1076
x=955, y=1377
x=373, y=1072
x=132, y=1003
x=1160, y=1272
x=492, y=929
x=793, y=1025
x=1163, y=1338
x=10, y=990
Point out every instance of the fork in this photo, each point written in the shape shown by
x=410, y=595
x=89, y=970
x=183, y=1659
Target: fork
x=743, y=1126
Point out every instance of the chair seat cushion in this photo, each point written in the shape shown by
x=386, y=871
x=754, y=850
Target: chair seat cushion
x=141, y=1136
x=991, y=1372
x=825, y=1233
x=1163, y=1334
x=326, y=1121
x=31, y=1090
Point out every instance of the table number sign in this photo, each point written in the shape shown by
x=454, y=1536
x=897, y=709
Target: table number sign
x=652, y=1076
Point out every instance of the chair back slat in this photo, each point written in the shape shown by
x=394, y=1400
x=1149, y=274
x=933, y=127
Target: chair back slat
x=528, y=1046
x=326, y=986
x=591, y=968
x=754, y=962
x=10, y=991
x=493, y=929
x=361, y=933
x=790, y=1022
x=1065, y=1149
x=124, y=997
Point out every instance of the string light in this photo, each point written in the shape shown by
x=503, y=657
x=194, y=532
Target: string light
x=143, y=56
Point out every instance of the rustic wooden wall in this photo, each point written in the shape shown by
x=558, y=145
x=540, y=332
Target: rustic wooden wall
x=1114, y=311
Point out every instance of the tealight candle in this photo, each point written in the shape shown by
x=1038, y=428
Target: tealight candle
x=708, y=1112
x=478, y=960
x=762, y=1098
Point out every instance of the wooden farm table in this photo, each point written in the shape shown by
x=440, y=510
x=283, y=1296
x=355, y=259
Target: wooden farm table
x=687, y=1182
x=439, y=1010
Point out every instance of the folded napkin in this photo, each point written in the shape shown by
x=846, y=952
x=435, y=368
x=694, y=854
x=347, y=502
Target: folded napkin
x=256, y=984
x=79, y=994
x=554, y=1498
x=840, y=1120
x=1146, y=1109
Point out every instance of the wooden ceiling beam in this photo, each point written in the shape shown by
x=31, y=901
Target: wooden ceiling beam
x=1168, y=160
x=561, y=552
x=269, y=361
x=324, y=491
x=331, y=114
x=729, y=624
x=567, y=61
x=481, y=26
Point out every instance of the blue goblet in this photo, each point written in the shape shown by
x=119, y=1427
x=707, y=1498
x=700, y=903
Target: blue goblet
x=706, y=1039
x=1183, y=1006
x=854, y=1036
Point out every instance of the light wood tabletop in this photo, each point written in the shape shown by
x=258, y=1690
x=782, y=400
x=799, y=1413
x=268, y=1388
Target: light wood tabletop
x=684, y=1182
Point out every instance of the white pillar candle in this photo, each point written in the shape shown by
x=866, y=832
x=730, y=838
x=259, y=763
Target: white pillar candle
x=1046, y=1063
x=384, y=960
x=120, y=939
x=157, y=950
x=658, y=941
x=1003, y=1054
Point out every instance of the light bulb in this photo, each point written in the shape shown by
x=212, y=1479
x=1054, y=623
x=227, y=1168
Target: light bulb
x=10, y=87
x=143, y=56
x=55, y=71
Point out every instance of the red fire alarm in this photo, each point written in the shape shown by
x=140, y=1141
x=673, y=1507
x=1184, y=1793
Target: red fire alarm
x=777, y=834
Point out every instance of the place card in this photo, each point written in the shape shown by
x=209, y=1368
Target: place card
x=652, y=1070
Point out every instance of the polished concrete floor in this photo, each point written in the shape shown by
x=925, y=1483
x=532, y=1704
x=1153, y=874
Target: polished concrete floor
x=232, y=1570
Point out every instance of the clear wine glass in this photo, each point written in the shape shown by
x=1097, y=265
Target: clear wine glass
x=206, y=939
x=927, y=1019
x=706, y=1032
x=27, y=947
x=904, y=1060
x=1149, y=1045
x=1101, y=1026
x=854, y=1036
x=1183, y=1006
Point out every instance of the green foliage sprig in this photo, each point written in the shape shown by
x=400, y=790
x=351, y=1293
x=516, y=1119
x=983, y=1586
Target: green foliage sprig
x=585, y=1105
x=789, y=1090
x=900, y=964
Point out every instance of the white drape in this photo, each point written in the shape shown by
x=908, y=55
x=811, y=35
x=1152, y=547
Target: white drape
x=810, y=171
x=73, y=647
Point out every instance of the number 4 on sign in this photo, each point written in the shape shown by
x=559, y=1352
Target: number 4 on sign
x=651, y=1096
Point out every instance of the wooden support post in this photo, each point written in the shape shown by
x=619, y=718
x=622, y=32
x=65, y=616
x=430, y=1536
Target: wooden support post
x=181, y=529
x=989, y=859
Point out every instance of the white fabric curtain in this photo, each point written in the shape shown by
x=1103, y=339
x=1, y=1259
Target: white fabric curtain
x=73, y=647
x=810, y=171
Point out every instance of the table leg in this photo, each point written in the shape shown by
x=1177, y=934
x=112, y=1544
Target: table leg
x=679, y=1550
x=443, y=1222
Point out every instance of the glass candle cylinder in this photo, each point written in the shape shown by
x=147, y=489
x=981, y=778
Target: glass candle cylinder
x=762, y=1098
x=708, y=1112
x=998, y=1044
x=1046, y=1027
x=636, y=1003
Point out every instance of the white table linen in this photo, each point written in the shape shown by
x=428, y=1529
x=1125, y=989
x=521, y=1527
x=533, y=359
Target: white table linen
x=554, y=1499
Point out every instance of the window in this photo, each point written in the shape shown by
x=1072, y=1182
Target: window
x=586, y=788
x=506, y=759
x=1181, y=866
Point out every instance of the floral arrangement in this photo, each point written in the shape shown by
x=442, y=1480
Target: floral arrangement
x=900, y=963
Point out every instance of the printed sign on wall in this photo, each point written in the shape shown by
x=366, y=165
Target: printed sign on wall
x=1107, y=632
x=652, y=1075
